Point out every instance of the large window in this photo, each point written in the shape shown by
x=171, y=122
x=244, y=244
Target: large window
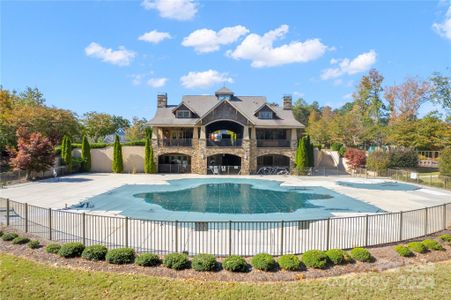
x=265, y=115
x=183, y=114
x=271, y=134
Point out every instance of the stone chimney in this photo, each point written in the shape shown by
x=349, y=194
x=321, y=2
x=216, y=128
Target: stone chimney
x=162, y=100
x=287, y=102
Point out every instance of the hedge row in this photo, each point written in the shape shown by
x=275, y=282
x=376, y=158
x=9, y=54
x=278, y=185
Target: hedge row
x=206, y=262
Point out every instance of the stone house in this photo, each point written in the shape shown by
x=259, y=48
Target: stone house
x=223, y=134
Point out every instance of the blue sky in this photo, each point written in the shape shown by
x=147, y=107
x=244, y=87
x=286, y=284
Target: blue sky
x=96, y=55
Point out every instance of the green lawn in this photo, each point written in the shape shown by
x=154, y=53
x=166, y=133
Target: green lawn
x=24, y=279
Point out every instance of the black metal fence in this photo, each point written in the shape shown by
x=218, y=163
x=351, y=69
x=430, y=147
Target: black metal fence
x=429, y=179
x=224, y=238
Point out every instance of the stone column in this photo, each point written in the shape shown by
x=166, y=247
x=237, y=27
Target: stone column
x=201, y=153
x=294, y=138
x=253, y=151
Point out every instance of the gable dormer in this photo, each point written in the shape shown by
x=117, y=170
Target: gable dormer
x=265, y=112
x=224, y=94
x=184, y=112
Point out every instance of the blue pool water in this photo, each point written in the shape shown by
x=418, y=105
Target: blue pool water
x=224, y=199
x=382, y=186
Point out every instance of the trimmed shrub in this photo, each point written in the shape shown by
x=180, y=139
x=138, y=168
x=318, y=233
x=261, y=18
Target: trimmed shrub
x=403, y=159
x=148, y=260
x=120, y=256
x=378, y=161
x=302, y=156
x=118, y=165
x=356, y=157
x=69, y=250
x=430, y=244
x=20, y=240
x=1, y=233
x=289, y=262
x=403, y=251
x=95, y=252
x=176, y=261
x=85, y=154
x=444, y=162
x=263, y=262
x=336, y=256
x=336, y=146
x=9, y=236
x=417, y=247
x=315, y=259
x=361, y=254
x=235, y=263
x=204, y=262
x=445, y=237
x=34, y=244
x=53, y=248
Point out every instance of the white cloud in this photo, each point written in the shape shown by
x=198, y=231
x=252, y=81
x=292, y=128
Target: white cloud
x=154, y=36
x=136, y=78
x=204, y=79
x=347, y=96
x=207, y=40
x=157, y=82
x=260, y=50
x=361, y=63
x=120, y=57
x=444, y=29
x=180, y=10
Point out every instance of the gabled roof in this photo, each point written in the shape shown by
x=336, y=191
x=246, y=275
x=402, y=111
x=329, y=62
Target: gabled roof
x=246, y=105
x=263, y=106
x=224, y=91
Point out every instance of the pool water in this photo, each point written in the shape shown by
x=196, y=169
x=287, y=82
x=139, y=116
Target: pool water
x=382, y=186
x=224, y=199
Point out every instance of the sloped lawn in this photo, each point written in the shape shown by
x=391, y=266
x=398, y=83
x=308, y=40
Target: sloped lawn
x=24, y=279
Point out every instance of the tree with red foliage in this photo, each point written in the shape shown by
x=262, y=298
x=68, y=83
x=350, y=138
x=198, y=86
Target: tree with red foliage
x=355, y=157
x=34, y=152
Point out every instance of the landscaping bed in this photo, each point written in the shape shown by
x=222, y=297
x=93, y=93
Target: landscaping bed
x=383, y=258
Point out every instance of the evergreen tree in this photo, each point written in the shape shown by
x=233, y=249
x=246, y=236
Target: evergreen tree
x=63, y=145
x=85, y=154
x=148, y=132
x=148, y=157
x=301, y=157
x=67, y=154
x=118, y=166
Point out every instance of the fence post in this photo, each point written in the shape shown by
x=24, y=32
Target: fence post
x=366, y=231
x=281, y=237
x=444, y=216
x=7, y=212
x=26, y=217
x=176, y=235
x=425, y=221
x=400, y=226
x=126, y=232
x=50, y=224
x=328, y=234
x=83, y=226
x=230, y=238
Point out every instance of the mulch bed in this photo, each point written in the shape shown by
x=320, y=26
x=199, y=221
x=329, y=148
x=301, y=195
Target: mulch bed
x=385, y=258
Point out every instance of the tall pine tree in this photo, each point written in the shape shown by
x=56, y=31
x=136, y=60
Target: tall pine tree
x=85, y=154
x=301, y=157
x=118, y=165
x=67, y=154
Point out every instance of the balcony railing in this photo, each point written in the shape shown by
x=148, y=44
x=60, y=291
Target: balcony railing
x=174, y=168
x=176, y=142
x=224, y=170
x=273, y=143
x=225, y=143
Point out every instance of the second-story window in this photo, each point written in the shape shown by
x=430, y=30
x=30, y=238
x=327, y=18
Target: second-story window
x=183, y=114
x=265, y=115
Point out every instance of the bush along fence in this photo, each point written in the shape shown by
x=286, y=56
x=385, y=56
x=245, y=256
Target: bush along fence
x=225, y=238
x=434, y=180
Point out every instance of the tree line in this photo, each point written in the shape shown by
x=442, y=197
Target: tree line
x=381, y=115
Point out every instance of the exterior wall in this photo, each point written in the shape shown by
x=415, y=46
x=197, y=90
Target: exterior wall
x=102, y=159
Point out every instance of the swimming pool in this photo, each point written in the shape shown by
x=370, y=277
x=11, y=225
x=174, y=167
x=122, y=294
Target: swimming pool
x=224, y=199
x=379, y=185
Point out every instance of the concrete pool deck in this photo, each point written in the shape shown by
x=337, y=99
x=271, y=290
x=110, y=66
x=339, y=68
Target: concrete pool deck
x=66, y=191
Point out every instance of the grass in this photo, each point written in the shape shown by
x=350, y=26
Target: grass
x=24, y=279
